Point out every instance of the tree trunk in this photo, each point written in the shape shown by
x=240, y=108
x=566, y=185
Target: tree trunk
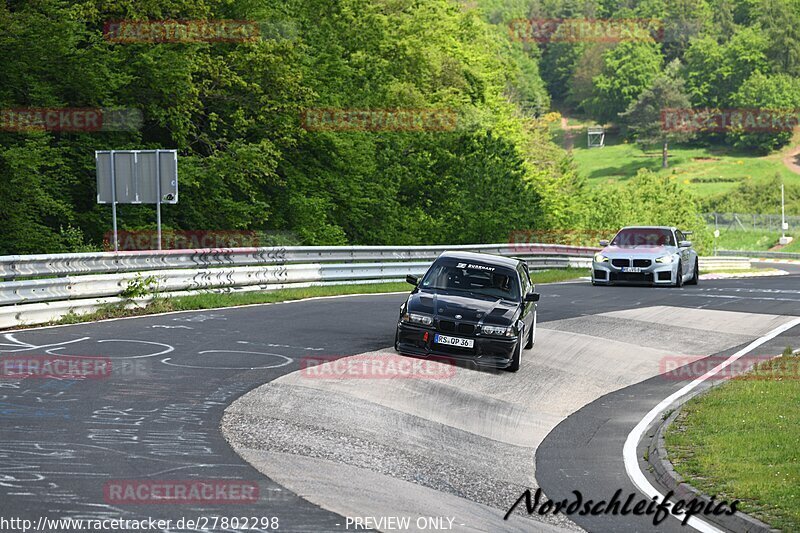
x=664, y=155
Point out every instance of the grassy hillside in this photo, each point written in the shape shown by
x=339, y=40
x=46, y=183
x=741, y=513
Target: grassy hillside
x=706, y=171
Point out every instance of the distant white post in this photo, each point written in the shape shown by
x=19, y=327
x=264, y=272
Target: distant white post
x=784, y=226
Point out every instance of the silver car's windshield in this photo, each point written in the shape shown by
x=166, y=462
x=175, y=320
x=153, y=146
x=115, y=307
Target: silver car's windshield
x=644, y=237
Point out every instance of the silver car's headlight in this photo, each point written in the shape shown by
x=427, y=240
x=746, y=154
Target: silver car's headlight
x=600, y=258
x=416, y=318
x=500, y=331
x=664, y=259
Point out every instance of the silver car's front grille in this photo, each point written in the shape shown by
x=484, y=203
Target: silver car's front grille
x=621, y=262
x=642, y=263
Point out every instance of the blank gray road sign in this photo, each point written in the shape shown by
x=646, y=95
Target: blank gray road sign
x=135, y=174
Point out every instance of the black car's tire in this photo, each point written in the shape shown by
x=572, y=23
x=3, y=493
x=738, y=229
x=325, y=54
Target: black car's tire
x=396, y=339
x=696, y=274
x=529, y=342
x=517, y=357
x=679, y=275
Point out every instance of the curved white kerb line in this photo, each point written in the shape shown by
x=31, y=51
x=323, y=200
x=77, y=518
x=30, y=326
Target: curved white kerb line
x=629, y=449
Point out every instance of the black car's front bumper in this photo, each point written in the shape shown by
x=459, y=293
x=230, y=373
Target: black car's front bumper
x=488, y=351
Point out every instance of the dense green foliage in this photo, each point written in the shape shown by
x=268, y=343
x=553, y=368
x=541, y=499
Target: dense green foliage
x=734, y=54
x=234, y=112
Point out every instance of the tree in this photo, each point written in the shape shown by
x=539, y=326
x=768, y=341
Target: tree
x=644, y=116
x=781, y=24
x=714, y=71
x=723, y=22
x=684, y=19
x=628, y=69
x=775, y=98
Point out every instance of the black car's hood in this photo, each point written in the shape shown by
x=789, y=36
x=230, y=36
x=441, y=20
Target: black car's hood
x=447, y=305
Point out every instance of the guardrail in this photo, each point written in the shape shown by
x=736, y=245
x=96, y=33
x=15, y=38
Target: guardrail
x=16, y=266
x=42, y=288
x=757, y=254
x=724, y=263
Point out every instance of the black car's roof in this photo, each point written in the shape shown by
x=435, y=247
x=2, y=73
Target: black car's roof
x=488, y=259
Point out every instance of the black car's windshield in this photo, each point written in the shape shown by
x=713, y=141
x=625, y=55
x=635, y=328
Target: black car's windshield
x=644, y=237
x=474, y=278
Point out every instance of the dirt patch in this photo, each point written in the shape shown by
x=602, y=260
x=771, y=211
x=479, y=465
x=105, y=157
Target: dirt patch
x=792, y=160
x=705, y=159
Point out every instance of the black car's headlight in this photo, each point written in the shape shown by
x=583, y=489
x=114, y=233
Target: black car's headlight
x=499, y=331
x=417, y=318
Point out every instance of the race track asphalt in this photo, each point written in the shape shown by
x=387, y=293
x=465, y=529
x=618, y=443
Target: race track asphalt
x=158, y=415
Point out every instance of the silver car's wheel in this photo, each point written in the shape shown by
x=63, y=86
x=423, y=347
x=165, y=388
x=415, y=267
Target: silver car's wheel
x=695, y=274
x=679, y=275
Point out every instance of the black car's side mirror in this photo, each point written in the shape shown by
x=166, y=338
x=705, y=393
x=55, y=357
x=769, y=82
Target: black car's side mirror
x=603, y=243
x=532, y=297
x=414, y=280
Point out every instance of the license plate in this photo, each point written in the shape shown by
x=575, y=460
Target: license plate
x=454, y=341
x=631, y=269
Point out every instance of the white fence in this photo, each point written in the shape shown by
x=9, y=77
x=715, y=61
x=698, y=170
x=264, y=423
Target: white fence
x=42, y=288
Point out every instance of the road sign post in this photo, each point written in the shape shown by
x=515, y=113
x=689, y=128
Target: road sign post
x=114, y=203
x=137, y=177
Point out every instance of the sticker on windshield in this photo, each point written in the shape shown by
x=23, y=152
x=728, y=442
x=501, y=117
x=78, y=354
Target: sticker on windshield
x=475, y=267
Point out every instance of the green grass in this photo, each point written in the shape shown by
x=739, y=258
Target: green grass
x=705, y=171
x=738, y=271
x=747, y=240
x=741, y=441
x=754, y=240
x=210, y=300
x=794, y=246
x=556, y=275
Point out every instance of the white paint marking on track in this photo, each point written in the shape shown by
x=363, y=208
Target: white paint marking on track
x=631, y=442
x=288, y=360
x=162, y=352
x=26, y=347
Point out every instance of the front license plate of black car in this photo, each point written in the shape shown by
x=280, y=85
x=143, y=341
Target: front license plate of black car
x=454, y=341
x=631, y=269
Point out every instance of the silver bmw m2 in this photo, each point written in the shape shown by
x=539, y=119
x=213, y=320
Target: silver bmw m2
x=655, y=255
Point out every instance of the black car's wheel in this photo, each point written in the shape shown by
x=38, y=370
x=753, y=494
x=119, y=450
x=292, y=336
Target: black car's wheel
x=679, y=275
x=696, y=274
x=515, y=360
x=396, y=339
x=529, y=343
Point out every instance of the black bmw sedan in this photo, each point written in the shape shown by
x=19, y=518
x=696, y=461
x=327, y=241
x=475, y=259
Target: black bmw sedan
x=470, y=306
